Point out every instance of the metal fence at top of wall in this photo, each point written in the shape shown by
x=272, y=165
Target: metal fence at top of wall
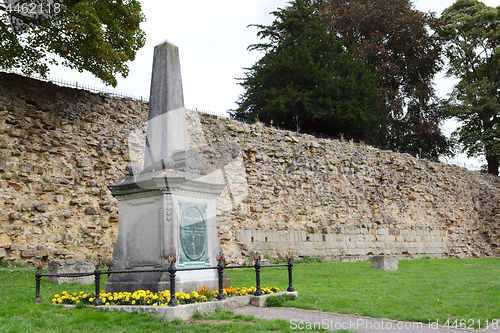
x=97, y=90
x=78, y=85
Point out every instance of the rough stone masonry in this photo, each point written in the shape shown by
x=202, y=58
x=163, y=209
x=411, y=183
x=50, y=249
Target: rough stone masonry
x=60, y=147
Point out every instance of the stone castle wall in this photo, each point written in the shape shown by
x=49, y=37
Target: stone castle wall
x=286, y=192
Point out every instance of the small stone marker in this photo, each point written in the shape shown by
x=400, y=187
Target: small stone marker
x=71, y=266
x=384, y=263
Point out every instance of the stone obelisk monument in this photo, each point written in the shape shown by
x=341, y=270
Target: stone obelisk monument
x=169, y=207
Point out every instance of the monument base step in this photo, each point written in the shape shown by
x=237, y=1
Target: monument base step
x=188, y=286
x=186, y=311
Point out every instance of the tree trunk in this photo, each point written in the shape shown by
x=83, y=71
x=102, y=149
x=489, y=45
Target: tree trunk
x=492, y=164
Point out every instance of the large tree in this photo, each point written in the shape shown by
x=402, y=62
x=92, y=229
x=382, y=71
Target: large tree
x=472, y=36
x=91, y=35
x=401, y=45
x=306, y=79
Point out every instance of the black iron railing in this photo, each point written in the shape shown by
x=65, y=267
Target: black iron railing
x=172, y=270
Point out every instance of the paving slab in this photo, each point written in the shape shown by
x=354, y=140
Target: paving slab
x=304, y=320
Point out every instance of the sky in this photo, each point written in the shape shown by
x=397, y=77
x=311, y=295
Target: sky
x=212, y=37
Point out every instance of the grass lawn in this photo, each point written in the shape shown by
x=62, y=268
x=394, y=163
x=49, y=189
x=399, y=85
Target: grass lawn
x=421, y=290
x=19, y=314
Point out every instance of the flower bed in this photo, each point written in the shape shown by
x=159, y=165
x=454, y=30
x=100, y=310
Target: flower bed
x=162, y=298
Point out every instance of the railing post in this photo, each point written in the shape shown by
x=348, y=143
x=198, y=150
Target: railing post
x=38, y=278
x=97, y=279
x=171, y=271
x=257, y=266
x=290, y=267
x=110, y=264
x=220, y=269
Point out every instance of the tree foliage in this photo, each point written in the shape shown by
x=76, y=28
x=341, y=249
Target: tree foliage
x=91, y=35
x=306, y=79
x=401, y=45
x=472, y=36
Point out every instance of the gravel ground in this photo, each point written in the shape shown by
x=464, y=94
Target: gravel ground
x=304, y=320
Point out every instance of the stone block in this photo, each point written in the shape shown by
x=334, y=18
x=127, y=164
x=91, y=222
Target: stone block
x=297, y=236
x=339, y=245
x=244, y=236
x=340, y=238
x=412, y=251
x=369, y=238
x=283, y=236
x=387, y=251
x=16, y=247
x=71, y=266
x=3, y=253
x=330, y=238
x=385, y=263
x=316, y=238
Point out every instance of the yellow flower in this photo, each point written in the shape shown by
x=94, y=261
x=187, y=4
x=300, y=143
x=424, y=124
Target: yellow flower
x=110, y=298
x=107, y=303
x=133, y=302
x=91, y=299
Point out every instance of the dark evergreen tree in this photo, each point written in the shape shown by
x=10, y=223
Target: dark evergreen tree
x=307, y=80
x=401, y=45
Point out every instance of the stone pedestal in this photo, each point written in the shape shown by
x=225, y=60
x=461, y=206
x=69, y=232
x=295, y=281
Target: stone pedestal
x=71, y=266
x=161, y=214
x=169, y=207
x=384, y=263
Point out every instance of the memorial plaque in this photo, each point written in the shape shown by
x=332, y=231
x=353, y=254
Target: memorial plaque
x=193, y=234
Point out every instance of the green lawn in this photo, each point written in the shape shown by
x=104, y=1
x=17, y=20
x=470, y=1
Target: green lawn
x=19, y=314
x=421, y=290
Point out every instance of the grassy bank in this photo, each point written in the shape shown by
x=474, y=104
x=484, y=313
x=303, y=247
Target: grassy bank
x=19, y=314
x=421, y=290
